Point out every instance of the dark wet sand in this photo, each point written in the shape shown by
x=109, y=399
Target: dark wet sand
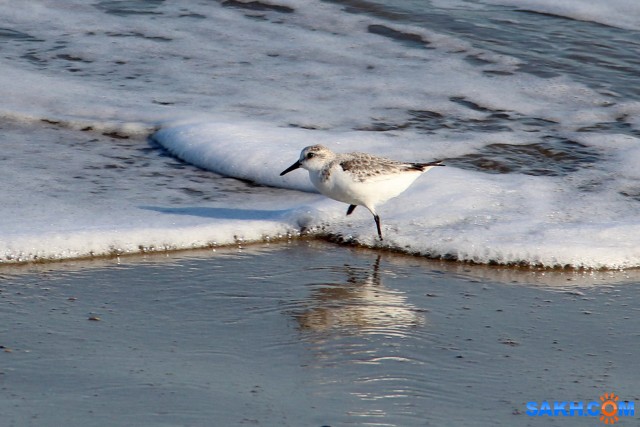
x=309, y=334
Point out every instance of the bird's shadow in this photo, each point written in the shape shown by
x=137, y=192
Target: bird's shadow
x=221, y=213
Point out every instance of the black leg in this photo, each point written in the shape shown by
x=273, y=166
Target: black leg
x=377, y=218
x=351, y=208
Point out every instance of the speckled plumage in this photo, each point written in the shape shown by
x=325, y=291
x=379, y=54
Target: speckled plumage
x=359, y=179
x=364, y=166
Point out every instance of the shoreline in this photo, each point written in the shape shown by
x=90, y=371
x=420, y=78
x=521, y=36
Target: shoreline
x=332, y=240
x=496, y=272
x=348, y=335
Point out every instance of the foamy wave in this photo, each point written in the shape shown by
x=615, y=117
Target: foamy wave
x=449, y=213
x=363, y=82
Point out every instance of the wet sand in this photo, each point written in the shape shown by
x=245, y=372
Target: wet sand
x=309, y=334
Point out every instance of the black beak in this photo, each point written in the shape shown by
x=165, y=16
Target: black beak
x=293, y=167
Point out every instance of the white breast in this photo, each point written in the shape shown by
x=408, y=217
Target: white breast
x=340, y=185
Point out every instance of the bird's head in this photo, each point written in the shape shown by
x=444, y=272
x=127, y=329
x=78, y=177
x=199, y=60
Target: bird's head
x=311, y=158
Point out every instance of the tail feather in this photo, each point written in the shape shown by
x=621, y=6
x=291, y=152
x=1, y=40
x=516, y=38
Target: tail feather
x=423, y=166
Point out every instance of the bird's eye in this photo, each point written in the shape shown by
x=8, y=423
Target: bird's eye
x=310, y=155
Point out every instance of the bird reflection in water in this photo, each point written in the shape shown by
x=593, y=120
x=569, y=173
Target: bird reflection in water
x=360, y=305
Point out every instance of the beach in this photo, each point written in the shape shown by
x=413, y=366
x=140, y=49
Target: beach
x=157, y=270
x=308, y=333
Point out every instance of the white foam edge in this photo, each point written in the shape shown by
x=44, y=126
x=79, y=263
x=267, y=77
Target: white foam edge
x=449, y=213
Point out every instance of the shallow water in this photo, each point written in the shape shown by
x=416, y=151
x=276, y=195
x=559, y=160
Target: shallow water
x=601, y=56
x=307, y=333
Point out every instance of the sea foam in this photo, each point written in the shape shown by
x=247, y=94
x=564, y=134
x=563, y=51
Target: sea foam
x=239, y=92
x=449, y=213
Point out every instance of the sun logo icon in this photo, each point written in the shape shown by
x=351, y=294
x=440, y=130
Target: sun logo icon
x=609, y=408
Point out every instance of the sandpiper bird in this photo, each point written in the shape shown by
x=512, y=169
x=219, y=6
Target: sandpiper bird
x=358, y=179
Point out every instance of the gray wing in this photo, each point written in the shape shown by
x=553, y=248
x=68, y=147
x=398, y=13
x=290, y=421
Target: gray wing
x=364, y=166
